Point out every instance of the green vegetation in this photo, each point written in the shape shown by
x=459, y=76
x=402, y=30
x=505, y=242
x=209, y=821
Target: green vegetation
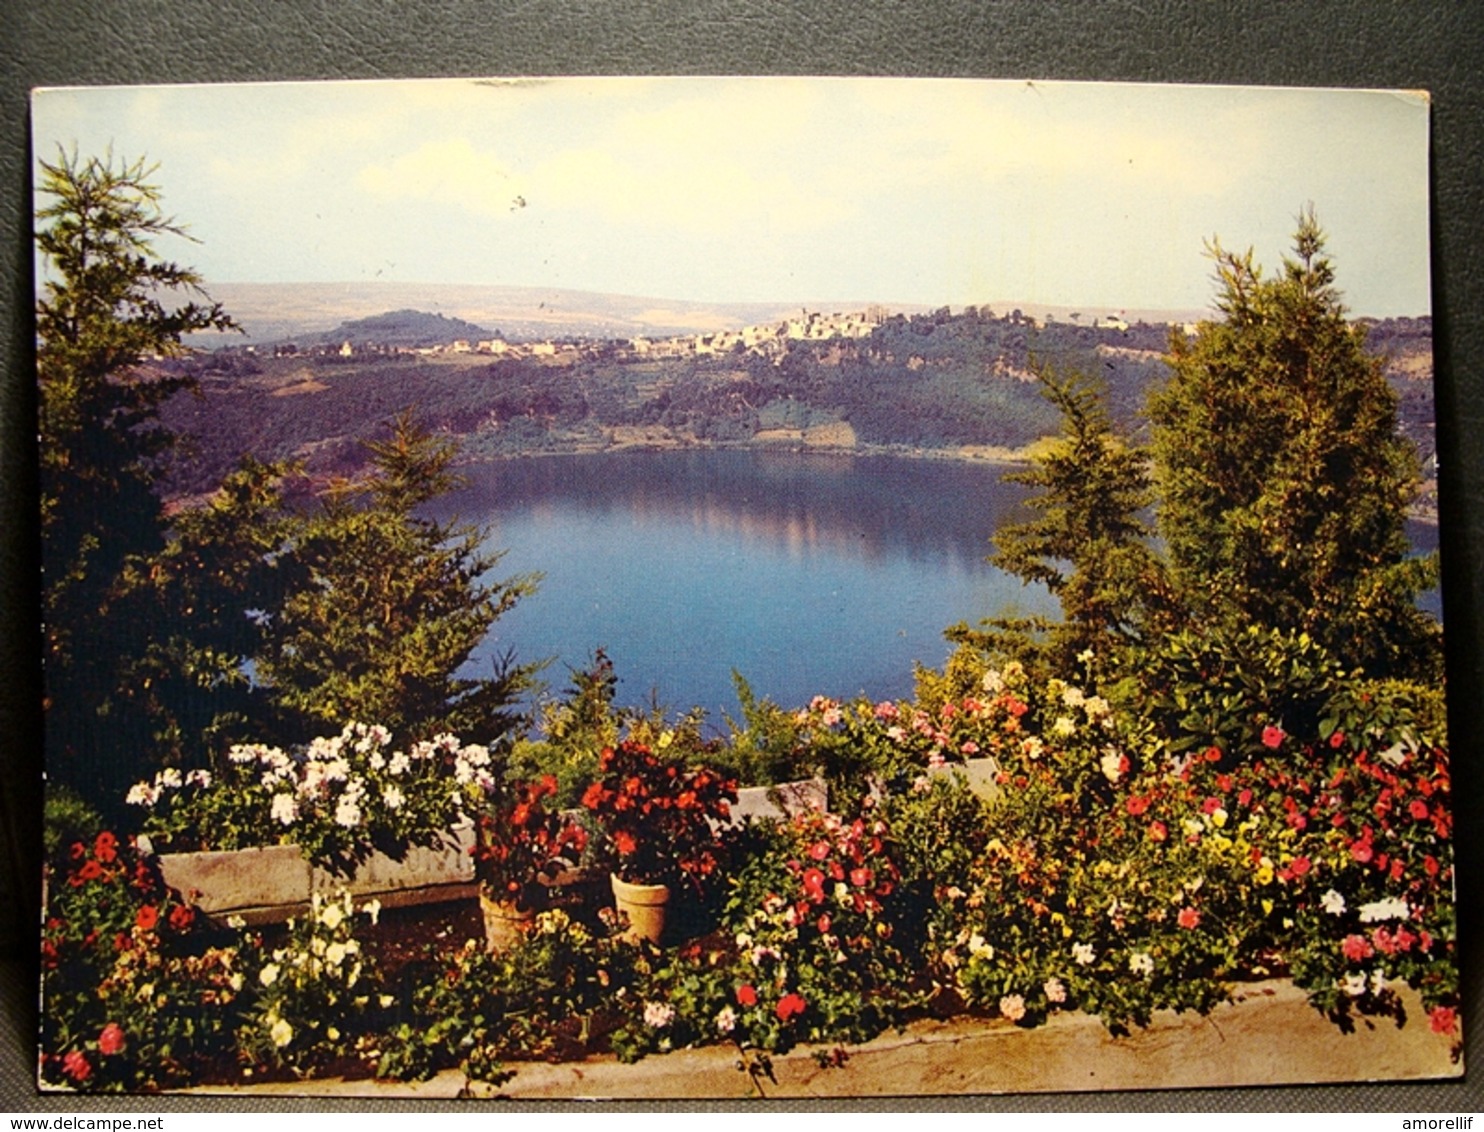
x=1283, y=480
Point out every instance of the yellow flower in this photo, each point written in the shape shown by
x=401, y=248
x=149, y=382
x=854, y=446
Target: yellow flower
x=281, y=1033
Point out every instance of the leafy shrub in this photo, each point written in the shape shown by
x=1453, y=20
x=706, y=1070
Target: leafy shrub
x=318, y=995
x=137, y=996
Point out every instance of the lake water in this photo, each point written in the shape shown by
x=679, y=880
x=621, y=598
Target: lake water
x=808, y=574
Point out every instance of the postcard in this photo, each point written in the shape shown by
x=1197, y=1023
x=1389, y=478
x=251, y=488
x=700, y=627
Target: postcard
x=739, y=587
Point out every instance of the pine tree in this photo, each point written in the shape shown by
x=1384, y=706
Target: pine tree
x=1087, y=544
x=389, y=606
x=1282, y=479
x=108, y=310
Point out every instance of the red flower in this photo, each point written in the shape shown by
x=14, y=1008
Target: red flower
x=1158, y=831
x=592, y=797
x=861, y=878
x=824, y=924
x=105, y=848
x=1210, y=805
x=746, y=995
x=1188, y=918
x=1272, y=737
x=79, y=1069
x=1418, y=809
x=624, y=842
x=1213, y=754
x=111, y=1040
x=1443, y=1019
x=1137, y=804
x=790, y=1005
x=147, y=918
x=814, y=884
x=181, y=917
x=1356, y=947
x=819, y=850
x=79, y=850
x=90, y=871
x=1361, y=851
x=1337, y=740
x=1300, y=866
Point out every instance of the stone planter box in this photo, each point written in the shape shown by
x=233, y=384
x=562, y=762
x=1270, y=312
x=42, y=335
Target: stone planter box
x=979, y=774
x=783, y=801
x=274, y=882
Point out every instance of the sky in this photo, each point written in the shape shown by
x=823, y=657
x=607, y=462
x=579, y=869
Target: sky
x=920, y=191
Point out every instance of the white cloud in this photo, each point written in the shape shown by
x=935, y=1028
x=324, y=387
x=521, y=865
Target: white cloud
x=447, y=172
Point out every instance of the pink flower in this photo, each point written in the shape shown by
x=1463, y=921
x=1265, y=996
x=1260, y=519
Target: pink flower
x=886, y=710
x=111, y=1040
x=77, y=1066
x=1356, y=947
x=1012, y=1006
x=1272, y=737
x=1443, y=1019
x=1188, y=918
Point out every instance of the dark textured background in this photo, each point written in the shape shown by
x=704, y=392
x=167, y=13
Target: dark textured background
x=1437, y=45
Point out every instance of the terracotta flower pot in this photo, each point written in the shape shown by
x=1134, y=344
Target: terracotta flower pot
x=504, y=923
x=644, y=905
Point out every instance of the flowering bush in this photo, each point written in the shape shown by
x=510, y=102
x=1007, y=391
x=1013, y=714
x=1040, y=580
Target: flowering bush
x=519, y=841
x=135, y=998
x=663, y=821
x=471, y=1009
x=317, y=994
x=810, y=951
x=337, y=799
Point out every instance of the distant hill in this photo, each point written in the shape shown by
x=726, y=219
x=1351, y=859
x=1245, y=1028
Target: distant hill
x=399, y=328
x=279, y=312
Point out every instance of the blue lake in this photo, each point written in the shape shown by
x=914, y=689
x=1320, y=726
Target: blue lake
x=808, y=574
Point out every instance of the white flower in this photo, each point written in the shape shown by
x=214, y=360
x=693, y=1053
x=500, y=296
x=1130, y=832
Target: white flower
x=1392, y=908
x=347, y=812
x=269, y=974
x=1378, y=981
x=243, y=753
x=169, y=778
x=142, y=794
x=1063, y=727
x=285, y=810
x=392, y=798
x=386, y=1000
x=1141, y=963
x=235, y=982
x=1055, y=990
x=372, y=908
x=726, y=1021
x=1073, y=697
x=335, y=954
x=377, y=761
x=993, y=681
x=1332, y=902
x=201, y=778
x=332, y=916
x=1354, y=985
x=658, y=1015
x=398, y=764
x=236, y=923
x=979, y=948
x=1083, y=953
x=1012, y=1006
x=281, y=1033
x=1111, y=765
x=1097, y=708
